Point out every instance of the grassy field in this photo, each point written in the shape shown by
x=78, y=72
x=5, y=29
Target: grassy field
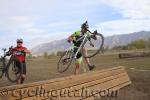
x=137, y=68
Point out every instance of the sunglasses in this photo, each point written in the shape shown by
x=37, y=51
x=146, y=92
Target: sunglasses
x=19, y=42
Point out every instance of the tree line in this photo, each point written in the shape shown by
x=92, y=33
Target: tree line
x=137, y=44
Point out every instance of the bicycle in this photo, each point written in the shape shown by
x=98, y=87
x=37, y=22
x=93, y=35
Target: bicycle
x=8, y=66
x=93, y=42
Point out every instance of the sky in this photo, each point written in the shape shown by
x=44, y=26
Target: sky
x=41, y=21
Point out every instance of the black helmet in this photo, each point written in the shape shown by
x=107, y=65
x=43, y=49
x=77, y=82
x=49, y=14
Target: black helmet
x=19, y=40
x=85, y=25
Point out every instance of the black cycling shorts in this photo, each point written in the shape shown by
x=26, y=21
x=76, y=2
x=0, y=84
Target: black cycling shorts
x=19, y=69
x=79, y=54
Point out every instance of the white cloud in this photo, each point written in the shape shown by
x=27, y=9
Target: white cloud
x=13, y=24
x=131, y=8
x=43, y=7
x=135, y=16
x=123, y=26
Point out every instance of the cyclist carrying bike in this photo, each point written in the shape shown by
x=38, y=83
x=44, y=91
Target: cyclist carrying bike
x=74, y=37
x=20, y=54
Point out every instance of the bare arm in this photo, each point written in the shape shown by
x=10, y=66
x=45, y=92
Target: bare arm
x=27, y=51
x=70, y=38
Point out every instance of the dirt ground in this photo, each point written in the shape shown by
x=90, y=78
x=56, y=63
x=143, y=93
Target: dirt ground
x=138, y=69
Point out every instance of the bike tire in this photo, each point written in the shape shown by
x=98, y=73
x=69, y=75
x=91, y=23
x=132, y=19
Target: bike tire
x=59, y=66
x=1, y=68
x=12, y=66
x=100, y=48
x=1, y=72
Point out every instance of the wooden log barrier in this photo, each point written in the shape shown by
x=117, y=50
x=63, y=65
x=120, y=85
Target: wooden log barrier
x=134, y=54
x=85, y=86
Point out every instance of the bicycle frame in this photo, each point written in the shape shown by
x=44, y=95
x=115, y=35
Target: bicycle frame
x=85, y=38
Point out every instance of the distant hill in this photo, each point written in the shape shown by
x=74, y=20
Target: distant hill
x=110, y=41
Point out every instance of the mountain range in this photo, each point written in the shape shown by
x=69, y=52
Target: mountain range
x=110, y=41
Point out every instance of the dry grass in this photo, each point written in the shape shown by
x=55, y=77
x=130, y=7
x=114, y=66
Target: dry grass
x=44, y=69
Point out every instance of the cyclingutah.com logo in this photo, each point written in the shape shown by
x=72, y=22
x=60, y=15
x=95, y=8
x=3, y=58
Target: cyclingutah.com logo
x=42, y=91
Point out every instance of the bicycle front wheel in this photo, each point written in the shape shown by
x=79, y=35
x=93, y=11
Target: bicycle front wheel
x=1, y=71
x=1, y=68
x=93, y=46
x=64, y=61
x=12, y=71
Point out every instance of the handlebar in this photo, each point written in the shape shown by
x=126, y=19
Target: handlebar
x=8, y=53
x=4, y=49
x=92, y=33
x=95, y=32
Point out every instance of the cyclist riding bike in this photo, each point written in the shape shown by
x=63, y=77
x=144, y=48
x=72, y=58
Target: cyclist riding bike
x=74, y=37
x=20, y=54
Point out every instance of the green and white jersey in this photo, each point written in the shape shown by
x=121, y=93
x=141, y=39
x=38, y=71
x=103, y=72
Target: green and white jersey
x=77, y=35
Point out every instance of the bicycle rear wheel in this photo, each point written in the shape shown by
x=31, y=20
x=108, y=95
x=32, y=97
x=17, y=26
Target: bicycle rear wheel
x=93, y=47
x=64, y=61
x=12, y=71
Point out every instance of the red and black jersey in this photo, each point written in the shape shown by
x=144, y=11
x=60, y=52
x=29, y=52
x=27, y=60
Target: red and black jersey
x=19, y=53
